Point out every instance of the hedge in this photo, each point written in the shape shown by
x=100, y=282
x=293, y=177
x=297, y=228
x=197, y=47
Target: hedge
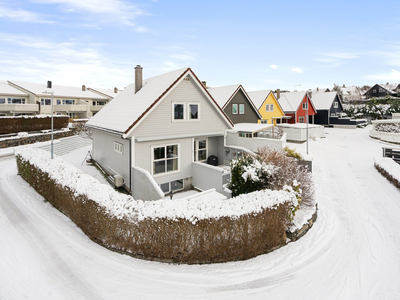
x=31, y=123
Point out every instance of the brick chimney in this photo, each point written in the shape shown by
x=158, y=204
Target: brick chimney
x=278, y=94
x=83, y=87
x=138, y=78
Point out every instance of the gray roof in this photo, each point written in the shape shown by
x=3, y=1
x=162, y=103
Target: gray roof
x=258, y=97
x=6, y=89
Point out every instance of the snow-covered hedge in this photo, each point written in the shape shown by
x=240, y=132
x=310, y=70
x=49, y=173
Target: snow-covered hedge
x=388, y=127
x=179, y=230
x=389, y=168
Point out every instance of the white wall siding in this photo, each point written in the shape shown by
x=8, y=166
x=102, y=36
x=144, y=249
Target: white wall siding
x=159, y=121
x=206, y=177
x=252, y=144
x=144, y=187
x=103, y=152
x=143, y=156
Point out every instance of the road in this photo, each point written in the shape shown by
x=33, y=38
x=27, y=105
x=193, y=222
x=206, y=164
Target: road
x=352, y=251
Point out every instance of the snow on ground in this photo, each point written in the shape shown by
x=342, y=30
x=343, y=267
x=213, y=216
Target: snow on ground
x=351, y=252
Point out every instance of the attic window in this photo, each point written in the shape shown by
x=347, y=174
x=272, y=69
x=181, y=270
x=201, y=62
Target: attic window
x=335, y=105
x=187, y=78
x=179, y=111
x=305, y=106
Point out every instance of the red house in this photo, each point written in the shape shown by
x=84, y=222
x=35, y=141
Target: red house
x=297, y=106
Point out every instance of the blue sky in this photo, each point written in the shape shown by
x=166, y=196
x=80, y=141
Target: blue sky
x=259, y=44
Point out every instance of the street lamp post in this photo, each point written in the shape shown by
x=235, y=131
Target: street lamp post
x=49, y=86
x=294, y=89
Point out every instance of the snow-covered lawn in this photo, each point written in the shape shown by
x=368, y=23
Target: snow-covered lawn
x=352, y=251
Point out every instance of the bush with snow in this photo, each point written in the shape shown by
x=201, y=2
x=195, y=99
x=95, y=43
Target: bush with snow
x=388, y=127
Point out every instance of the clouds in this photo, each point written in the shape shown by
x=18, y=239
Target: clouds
x=20, y=15
x=393, y=76
x=273, y=67
x=97, y=11
x=297, y=70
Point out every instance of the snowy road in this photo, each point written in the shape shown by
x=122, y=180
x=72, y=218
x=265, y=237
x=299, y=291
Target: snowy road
x=352, y=252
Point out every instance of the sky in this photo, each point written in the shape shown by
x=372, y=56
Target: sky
x=259, y=44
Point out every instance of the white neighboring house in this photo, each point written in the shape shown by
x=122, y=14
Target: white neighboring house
x=14, y=102
x=27, y=98
x=351, y=93
x=158, y=134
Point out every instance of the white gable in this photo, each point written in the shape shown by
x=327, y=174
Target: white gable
x=223, y=94
x=323, y=101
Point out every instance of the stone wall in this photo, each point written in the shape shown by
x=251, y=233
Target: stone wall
x=294, y=236
x=13, y=142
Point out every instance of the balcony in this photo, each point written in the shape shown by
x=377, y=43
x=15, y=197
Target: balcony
x=19, y=108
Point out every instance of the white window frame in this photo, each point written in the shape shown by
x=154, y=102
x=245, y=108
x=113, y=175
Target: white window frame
x=374, y=91
x=4, y=99
x=241, y=106
x=271, y=107
x=335, y=105
x=301, y=119
x=237, y=109
x=11, y=100
x=267, y=107
x=189, y=112
x=165, y=158
x=119, y=148
x=173, y=112
x=305, y=106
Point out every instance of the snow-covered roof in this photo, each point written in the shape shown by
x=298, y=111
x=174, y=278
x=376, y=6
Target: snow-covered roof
x=250, y=127
x=389, y=86
x=59, y=90
x=291, y=101
x=323, y=101
x=223, y=94
x=298, y=125
x=6, y=89
x=108, y=92
x=258, y=97
x=127, y=108
x=351, y=90
x=319, y=90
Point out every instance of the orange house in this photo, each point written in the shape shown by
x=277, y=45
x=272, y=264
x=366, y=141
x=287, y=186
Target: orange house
x=298, y=106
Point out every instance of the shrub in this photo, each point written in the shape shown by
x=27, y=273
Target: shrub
x=292, y=153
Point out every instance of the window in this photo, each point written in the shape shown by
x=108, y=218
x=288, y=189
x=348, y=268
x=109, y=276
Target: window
x=101, y=103
x=245, y=134
x=165, y=159
x=179, y=111
x=16, y=101
x=172, y=186
x=267, y=107
x=234, y=109
x=68, y=102
x=374, y=90
x=58, y=102
x=193, y=111
x=241, y=109
x=305, y=106
x=301, y=119
x=333, y=115
x=271, y=107
x=119, y=148
x=264, y=121
x=202, y=150
x=380, y=90
x=2, y=100
x=335, y=105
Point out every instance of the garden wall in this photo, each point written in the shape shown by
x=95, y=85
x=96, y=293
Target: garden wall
x=143, y=228
x=390, y=137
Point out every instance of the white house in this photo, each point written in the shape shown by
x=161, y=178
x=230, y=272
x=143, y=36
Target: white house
x=158, y=134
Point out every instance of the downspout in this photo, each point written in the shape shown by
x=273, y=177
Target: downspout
x=130, y=165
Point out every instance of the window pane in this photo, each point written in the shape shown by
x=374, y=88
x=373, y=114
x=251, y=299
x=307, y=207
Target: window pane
x=194, y=111
x=159, y=153
x=241, y=109
x=2, y=100
x=172, y=165
x=202, y=144
x=234, y=109
x=178, y=111
x=272, y=107
x=202, y=154
x=172, y=151
x=159, y=167
x=165, y=187
x=176, y=185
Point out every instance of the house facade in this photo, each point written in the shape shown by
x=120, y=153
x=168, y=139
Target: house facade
x=268, y=107
x=26, y=98
x=298, y=106
x=235, y=103
x=351, y=93
x=383, y=90
x=328, y=106
x=158, y=133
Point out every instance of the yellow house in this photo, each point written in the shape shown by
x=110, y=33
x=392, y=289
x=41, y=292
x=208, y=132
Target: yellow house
x=268, y=107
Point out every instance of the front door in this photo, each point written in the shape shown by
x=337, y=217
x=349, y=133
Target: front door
x=200, y=149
